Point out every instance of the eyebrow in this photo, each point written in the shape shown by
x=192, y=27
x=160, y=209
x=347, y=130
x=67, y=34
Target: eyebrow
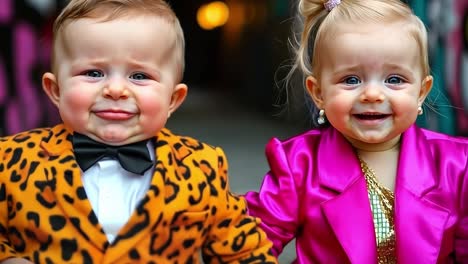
x=137, y=64
x=340, y=68
x=152, y=67
x=397, y=66
x=355, y=67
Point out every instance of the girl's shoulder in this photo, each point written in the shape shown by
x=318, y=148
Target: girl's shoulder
x=438, y=138
x=314, y=134
x=310, y=141
x=442, y=145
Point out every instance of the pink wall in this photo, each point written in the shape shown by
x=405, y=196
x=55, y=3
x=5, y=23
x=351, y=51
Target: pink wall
x=24, y=56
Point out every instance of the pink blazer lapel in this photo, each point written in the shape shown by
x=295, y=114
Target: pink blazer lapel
x=419, y=222
x=350, y=218
x=349, y=213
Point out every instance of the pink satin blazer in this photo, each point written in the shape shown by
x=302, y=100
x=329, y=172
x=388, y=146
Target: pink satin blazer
x=315, y=192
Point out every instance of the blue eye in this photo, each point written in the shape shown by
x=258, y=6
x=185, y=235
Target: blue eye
x=139, y=76
x=352, y=80
x=93, y=74
x=394, y=80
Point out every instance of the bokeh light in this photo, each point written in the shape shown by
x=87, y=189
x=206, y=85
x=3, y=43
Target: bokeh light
x=212, y=15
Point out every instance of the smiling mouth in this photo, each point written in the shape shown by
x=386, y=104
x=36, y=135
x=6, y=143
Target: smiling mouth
x=371, y=116
x=114, y=115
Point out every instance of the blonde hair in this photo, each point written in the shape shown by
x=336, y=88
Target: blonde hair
x=107, y=10
x=317, y=23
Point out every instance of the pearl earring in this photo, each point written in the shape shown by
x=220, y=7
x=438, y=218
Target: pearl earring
x=321, y=118
x=420, y=110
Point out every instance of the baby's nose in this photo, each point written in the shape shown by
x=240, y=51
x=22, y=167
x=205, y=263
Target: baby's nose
x=372, y=92
x=116, y=89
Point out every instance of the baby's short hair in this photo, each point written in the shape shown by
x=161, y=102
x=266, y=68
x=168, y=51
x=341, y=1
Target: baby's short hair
x=107, y=10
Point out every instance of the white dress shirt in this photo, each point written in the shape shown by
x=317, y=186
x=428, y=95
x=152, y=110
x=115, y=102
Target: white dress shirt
x=114, y=193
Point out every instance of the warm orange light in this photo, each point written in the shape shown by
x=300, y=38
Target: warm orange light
x=212, y=15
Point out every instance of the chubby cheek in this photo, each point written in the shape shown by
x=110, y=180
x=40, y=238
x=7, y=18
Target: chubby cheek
x=153, y=112
x=405, y=109
x=337, y=108
x=74, y=107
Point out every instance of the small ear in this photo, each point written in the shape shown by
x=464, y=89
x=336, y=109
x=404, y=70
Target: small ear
x=50, y=86
x=426, y=86
x=178, y=97
x=314, y=91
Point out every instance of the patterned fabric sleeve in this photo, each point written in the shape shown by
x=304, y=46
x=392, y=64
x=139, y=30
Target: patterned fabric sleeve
x=235, y=237
x=6, y=250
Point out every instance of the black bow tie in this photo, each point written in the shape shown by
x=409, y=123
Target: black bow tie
x=133, y=157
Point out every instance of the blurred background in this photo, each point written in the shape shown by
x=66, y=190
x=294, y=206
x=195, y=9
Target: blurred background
x=237, y=53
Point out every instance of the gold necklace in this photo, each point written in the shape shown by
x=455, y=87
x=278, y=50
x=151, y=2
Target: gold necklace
x=382, y=205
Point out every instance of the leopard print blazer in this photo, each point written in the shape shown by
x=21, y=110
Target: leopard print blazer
x=46, y=217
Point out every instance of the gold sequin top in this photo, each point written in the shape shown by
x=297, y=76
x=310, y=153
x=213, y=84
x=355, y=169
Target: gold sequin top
x=382, y=205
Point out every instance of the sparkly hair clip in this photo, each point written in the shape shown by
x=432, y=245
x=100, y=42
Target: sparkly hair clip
x=330, y=4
